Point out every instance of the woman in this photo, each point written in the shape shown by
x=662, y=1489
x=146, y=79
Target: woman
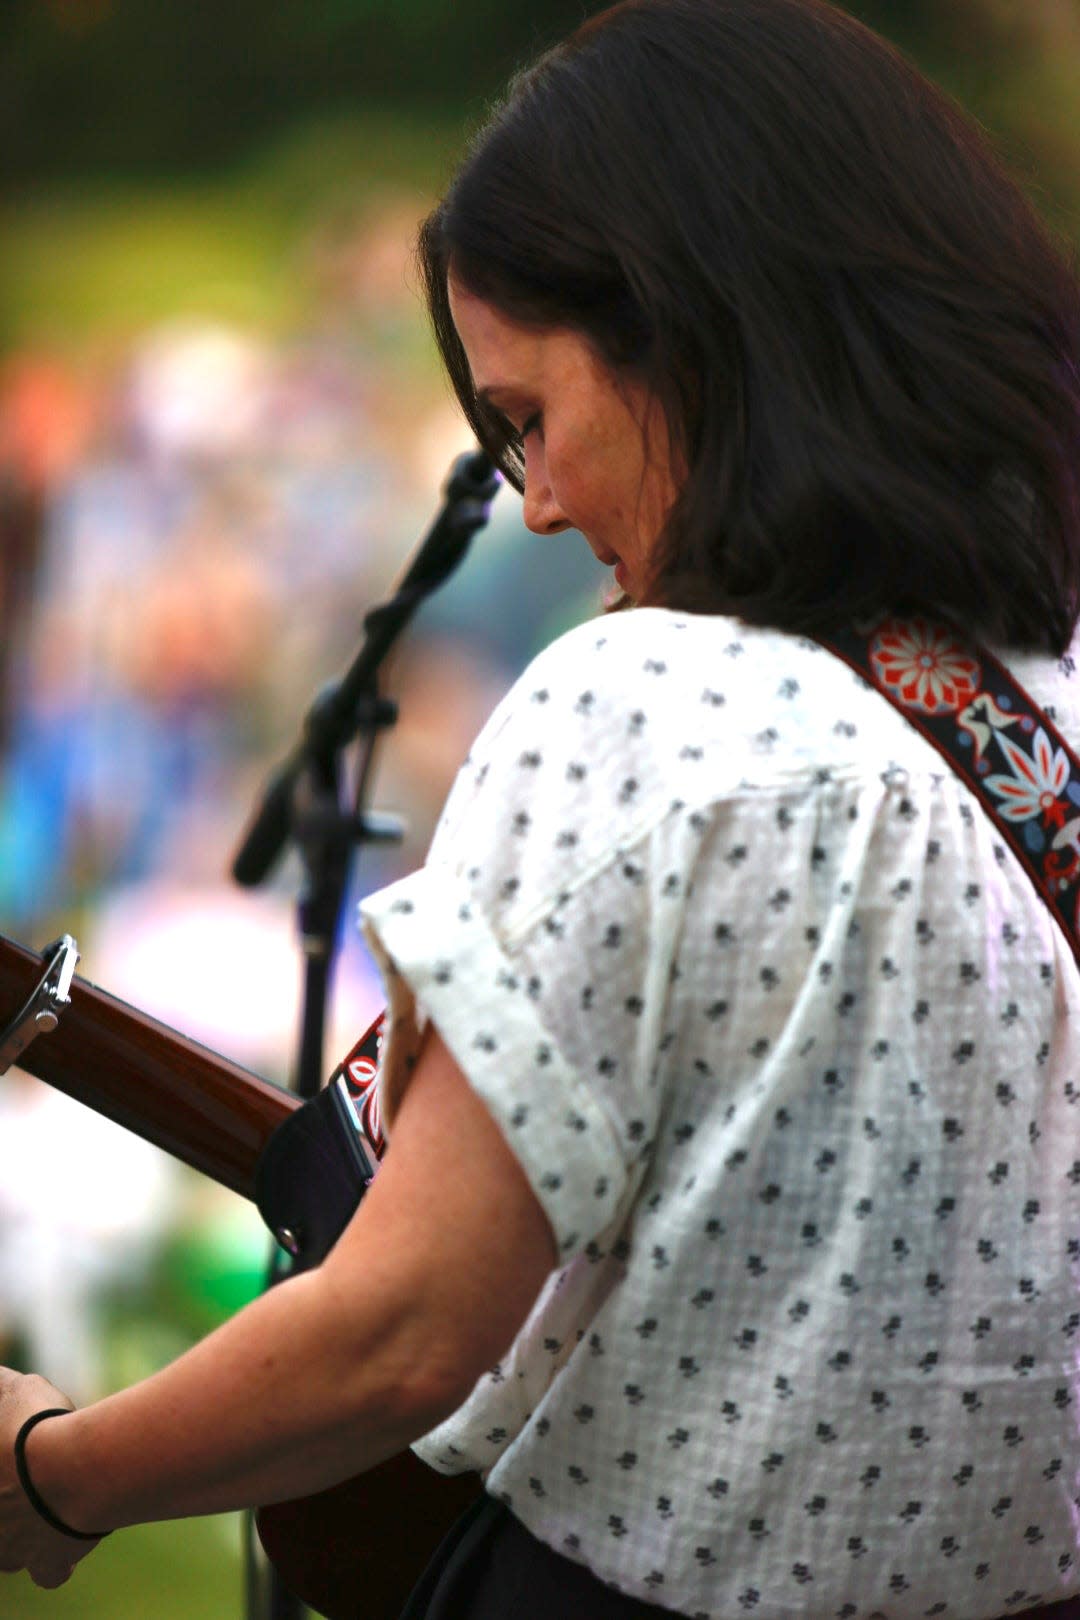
x=762, y=1045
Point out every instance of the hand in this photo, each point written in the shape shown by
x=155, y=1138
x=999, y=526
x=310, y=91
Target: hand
x=26, y=1541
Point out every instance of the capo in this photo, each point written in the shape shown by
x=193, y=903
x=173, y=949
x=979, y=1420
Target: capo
x=41, y=1013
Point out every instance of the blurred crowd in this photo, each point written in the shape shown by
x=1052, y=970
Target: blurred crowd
x=192, y=529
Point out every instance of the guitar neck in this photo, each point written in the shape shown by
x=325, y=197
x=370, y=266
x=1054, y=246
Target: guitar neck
x=189, y=1101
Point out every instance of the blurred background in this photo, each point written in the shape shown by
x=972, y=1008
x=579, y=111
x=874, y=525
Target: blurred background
x=222, y=430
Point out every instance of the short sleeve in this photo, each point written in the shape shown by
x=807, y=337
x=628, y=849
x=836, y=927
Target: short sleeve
x=540, y=934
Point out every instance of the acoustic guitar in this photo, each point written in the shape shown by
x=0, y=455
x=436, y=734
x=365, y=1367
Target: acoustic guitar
x=352, y=1552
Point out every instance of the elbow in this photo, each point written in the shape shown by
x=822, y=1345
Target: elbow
x=427, y=1392
x=406, y=1372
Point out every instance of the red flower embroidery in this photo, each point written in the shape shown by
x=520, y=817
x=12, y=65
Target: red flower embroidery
x=925, y=666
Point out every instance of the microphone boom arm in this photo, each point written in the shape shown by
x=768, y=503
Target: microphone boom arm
x=343, y=709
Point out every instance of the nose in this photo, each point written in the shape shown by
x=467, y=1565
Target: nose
x=542, y=512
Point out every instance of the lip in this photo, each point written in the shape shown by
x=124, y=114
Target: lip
x=621, y=576
x=607, y=558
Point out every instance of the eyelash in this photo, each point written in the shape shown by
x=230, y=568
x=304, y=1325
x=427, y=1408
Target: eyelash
x=517, y=436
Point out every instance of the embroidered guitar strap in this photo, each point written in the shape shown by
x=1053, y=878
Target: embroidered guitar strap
x=994, y=736
x=359, y=1070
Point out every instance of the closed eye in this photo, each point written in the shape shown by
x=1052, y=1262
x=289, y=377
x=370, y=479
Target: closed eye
x=532, y=425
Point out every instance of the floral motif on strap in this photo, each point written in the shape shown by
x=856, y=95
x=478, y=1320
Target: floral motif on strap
x=923, y=666
x=1037, y=781
x=967, y=706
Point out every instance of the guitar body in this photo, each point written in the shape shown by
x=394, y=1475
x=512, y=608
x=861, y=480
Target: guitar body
x=355, y=1552
x=352, y=1552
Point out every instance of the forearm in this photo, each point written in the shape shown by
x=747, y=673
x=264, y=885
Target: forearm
x=328, y=1373
x=237, y=1420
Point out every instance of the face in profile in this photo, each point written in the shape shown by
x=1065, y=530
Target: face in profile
x=595, y=441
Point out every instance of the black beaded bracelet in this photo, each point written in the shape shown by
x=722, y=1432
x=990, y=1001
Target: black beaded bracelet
x=29, y=1489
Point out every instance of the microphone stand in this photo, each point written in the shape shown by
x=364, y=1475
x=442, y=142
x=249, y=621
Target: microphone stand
x=305, y=803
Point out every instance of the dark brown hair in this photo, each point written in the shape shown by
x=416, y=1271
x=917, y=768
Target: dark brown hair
x=866, y=343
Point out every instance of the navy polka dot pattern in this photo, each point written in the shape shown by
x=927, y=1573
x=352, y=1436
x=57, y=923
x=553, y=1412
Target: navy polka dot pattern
x=787, y=1046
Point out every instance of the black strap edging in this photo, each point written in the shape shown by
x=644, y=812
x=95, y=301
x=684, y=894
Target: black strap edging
x=977, y=715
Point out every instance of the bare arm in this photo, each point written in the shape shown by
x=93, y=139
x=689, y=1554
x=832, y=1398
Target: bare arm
x=332, y=1371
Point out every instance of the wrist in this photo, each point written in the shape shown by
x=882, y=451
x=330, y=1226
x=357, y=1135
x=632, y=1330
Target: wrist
x=39, y=1447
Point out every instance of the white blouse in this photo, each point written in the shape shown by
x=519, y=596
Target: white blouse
x=788, y=1048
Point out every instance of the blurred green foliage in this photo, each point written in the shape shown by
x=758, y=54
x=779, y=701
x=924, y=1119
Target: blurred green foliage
x=140, y=85
x=111, y=256
x=143, y=88
x=1014, y=64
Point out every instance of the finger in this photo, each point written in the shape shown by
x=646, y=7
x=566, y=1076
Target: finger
x=49, y=1575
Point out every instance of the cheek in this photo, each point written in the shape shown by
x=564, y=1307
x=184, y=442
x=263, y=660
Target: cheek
x=568, y=469
x=588, y=475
